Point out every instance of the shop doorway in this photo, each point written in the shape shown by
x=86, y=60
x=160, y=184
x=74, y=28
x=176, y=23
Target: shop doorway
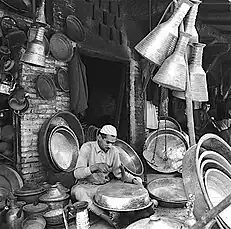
x=108, y=94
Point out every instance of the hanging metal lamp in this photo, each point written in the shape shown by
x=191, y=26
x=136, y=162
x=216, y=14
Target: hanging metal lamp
x=155, y=46
x=35, y=52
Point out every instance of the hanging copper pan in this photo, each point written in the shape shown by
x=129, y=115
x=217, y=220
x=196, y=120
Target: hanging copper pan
x=61, y=80
x=74, y=29
x=164, y=150
x=61, y=47
x=45, y=87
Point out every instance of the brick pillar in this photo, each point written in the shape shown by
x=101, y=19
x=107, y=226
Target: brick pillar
x=31, y=121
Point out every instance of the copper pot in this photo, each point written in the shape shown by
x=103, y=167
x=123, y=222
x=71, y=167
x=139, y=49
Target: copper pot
x=55, y=198
x=29, y=193
x=35, y=208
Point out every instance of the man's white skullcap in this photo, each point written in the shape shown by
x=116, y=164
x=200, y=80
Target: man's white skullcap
x=109, y=129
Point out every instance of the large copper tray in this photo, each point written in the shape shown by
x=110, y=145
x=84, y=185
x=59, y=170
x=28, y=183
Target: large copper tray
x=129, y=158
x=121, y=196
x=63, y=148
x=168, y=191
x=164, y=150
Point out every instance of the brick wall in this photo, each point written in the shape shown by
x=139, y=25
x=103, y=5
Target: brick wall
x=32, y=120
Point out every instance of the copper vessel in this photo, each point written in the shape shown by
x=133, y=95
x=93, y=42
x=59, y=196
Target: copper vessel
x=197, y=74
x=40, y=14
x=55, y=198
x=15, y=215
x=172, y=73
x=35, y=53
x=190, y=20
x=155, y=46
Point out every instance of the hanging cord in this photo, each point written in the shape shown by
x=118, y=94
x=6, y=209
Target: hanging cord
x=158, y=130
x=172, y=5
x=165, y=141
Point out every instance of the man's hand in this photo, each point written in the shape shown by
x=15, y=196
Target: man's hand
x=136, y=181
x=100, y=167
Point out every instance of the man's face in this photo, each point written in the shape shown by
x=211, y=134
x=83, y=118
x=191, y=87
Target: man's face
x=105, y=143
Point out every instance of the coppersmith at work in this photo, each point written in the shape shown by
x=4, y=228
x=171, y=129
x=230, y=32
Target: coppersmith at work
x=99, y=163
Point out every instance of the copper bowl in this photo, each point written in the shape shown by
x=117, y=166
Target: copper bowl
x=34, y=221
x=191, y=172
x=168, y=191
x=218, y=186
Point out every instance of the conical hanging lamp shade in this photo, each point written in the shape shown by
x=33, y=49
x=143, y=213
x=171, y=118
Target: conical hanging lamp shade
x=35, y=52
x=172, y=73
x=155, y=46
x=197, y=75
x=190, y=20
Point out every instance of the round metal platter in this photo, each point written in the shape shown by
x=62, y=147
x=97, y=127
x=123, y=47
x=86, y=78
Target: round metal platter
x=167, y=147
x=12, y=176
x=129, y=158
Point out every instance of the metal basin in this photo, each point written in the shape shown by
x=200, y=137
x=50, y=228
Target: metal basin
x=168, y=191
x=164, y=150
x=205, y=166
x=218, y=186
x=191, y=171
x=129, y=158
x=215, y=157
x=121, y=196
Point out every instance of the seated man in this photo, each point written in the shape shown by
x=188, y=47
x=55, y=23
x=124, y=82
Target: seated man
x=98, y=163
x=202, y=121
